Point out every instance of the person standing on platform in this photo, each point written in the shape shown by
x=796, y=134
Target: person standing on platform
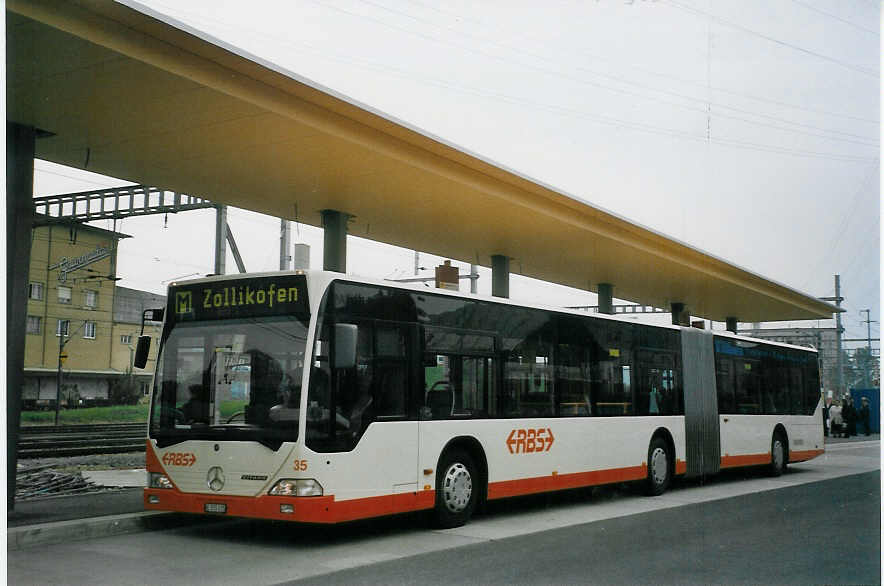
x=865, y=415
x=848, y=412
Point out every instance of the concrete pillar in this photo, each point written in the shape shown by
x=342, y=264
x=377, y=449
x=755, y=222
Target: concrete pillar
x=731, y=324
x=678, y=314
x=334, y=244
x=19, y=218
x=220, y=239
x=500, y=276
x=606, y=298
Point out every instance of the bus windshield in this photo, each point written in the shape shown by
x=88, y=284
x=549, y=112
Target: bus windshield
x=233, y=379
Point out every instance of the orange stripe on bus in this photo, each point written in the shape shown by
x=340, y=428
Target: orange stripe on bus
x=152, y=463
x=320, y=509
x=508, y=488
x=745, y=460
x=803, y=455
x=681, y=467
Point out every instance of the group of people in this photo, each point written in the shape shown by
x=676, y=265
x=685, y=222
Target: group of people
x=842, y=417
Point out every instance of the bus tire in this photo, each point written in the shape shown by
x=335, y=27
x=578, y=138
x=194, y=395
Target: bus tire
x=457, y=489
x=778, y=450
x=659, y=468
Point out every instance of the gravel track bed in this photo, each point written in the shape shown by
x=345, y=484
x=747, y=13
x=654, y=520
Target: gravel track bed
x=94, y=462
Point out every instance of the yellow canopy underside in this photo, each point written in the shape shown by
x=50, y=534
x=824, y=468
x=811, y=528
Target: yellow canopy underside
x=127, y=95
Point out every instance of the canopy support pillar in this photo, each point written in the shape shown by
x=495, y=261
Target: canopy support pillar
x=334, y=249
x=500, y=275
x=679, y=316
x=731, y=324
x=19, y=216
x=606, y=298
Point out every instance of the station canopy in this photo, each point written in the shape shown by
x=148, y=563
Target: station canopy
x=119, y=91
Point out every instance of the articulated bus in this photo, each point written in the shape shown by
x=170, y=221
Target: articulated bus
x=316, y=397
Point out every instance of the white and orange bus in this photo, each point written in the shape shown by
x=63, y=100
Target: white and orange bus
x=317, y=397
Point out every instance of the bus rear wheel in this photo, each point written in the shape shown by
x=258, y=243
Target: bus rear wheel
x=457, y=489
x=778, y=449
x=659, y=469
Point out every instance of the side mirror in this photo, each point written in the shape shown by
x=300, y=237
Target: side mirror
x=141, y=351
x=345, y=345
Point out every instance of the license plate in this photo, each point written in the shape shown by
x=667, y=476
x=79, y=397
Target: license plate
x=215, y=508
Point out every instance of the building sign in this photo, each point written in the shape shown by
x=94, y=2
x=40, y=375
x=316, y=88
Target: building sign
x=67, y=265
x=238, y=298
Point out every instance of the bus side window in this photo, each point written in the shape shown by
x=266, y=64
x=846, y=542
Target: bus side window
x=725, y=385
x=748, y=389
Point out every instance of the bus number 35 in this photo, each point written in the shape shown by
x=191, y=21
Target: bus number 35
x=300, y=465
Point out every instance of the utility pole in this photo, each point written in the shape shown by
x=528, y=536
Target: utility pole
x=58, y=377
x=61, y=358
x=839, y=331
x=285, y=244
x=867, y=382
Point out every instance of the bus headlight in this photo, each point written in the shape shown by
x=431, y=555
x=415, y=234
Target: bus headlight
x=296, y=487
x=156, y=480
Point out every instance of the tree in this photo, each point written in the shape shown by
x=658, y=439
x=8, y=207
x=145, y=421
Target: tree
x=860, y=369
x=124, y=391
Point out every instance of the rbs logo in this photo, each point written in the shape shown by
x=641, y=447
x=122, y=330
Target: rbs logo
x=526, y=441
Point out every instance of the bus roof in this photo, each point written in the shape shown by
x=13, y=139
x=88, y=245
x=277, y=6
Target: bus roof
x=324, y=278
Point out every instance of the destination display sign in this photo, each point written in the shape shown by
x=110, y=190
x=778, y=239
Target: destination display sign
x=239, y=298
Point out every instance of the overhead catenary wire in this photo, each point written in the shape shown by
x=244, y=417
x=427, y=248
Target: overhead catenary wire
x=836, y=17
x=747, y=30
x=702, y=100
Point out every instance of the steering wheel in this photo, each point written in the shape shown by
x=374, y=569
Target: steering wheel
x=235, y=415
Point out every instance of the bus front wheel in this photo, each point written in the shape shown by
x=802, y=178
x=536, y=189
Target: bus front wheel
x=457, y=489
x=659, y=470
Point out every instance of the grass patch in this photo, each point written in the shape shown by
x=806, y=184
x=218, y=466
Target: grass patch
x=112, y=414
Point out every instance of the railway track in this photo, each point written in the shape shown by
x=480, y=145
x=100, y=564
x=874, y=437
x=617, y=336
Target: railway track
x=81, y=440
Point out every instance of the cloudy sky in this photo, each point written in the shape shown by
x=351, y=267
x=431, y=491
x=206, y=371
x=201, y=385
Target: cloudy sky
x=747, y=128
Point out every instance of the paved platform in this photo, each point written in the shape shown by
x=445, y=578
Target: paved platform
x=86, y=516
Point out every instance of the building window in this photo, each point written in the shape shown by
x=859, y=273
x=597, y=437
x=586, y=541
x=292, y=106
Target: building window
x=126, y=339
x=89, y=330
x=63, y=327
x=90, y=299
x=35, y=324
x=64, y=294
x=35, y=291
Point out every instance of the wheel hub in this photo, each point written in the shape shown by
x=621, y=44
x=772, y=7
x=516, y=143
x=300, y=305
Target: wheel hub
x=457, y=488
x=659, y=466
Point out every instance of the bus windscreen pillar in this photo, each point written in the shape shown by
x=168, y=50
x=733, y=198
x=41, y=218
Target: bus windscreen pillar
x=731, y=324
x=500, y=276
x=220, y=239
x=334, y=248
x=19, y=217
x=606, y=298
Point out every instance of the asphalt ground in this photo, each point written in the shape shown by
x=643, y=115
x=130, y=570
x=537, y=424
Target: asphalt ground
x=770, y=537
x=65, y=518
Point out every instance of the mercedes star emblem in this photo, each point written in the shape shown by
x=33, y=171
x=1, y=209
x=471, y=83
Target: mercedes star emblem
x=215, y=478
